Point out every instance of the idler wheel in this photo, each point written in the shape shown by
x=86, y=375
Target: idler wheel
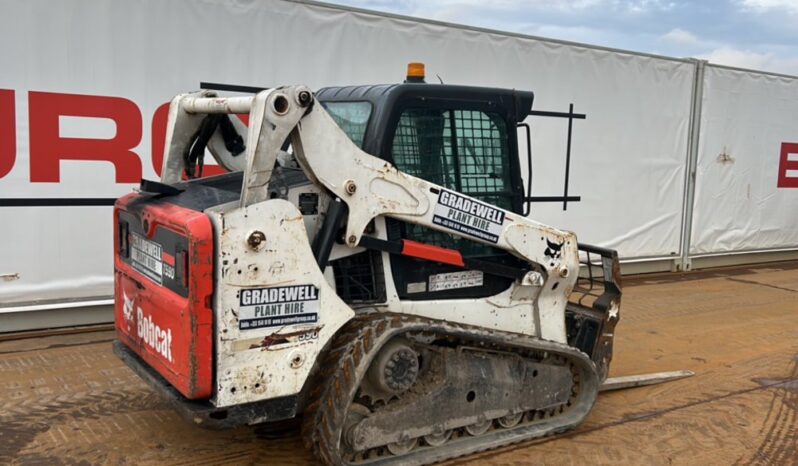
x=395, y=369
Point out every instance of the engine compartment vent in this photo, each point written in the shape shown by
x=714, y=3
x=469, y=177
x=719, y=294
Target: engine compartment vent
x=359, y=278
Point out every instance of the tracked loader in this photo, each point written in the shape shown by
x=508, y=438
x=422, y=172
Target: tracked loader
x=365, y=265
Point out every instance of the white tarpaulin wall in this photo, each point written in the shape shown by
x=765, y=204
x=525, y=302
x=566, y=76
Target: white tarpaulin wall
x=748, y=121
x=100, y=70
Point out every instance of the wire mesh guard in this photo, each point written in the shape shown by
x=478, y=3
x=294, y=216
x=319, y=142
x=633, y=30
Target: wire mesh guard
x=359, y=278
x=463, y=150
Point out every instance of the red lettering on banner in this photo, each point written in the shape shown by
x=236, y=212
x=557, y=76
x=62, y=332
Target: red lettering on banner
x=48, y=148
x=159, y=120
x=158, y=136
x=8, y=132
x=788, y=165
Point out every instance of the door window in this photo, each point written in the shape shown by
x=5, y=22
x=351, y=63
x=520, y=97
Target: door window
x=463, y=150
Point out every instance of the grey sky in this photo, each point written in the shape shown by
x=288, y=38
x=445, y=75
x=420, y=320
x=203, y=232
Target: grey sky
x=759, y=34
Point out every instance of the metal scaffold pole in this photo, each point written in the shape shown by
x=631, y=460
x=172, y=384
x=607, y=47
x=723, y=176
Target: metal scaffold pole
x=682, y=263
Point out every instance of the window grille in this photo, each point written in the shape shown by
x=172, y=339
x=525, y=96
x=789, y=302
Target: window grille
x=463, y=150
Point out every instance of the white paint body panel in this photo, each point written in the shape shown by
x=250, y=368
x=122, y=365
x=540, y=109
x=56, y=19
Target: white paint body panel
x=246, y=370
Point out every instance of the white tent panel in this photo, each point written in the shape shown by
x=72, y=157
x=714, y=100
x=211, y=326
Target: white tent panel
x=746, y=119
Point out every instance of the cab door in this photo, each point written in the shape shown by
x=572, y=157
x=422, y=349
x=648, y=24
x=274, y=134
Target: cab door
x=469, y=150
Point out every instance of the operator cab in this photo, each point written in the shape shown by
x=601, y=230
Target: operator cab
x=461, y=137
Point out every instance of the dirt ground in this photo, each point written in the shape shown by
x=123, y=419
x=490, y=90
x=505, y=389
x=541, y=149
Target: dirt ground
x=68, y=400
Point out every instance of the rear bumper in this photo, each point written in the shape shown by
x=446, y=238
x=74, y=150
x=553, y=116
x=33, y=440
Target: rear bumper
x=203, y=413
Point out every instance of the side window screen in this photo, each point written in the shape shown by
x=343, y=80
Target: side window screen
x=352, y=117
x=422, y=146
x=483, y=157
x=463, y=150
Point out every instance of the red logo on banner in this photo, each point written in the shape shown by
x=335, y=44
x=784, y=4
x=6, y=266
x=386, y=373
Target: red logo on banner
x=788, y=165
x=48, y=148
x=8, y=132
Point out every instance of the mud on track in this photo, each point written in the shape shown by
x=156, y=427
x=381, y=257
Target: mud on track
x=67, y=399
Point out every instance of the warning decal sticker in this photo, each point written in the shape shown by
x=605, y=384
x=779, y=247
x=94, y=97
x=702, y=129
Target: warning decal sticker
x=146, y=257
x=455, y=280
x=278, y=306
x=468, y=216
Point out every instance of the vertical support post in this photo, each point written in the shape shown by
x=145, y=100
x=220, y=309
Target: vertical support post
x=568, y=156
x=683, y=263
x=528, y=191
x=325, y=238
x=458, y=177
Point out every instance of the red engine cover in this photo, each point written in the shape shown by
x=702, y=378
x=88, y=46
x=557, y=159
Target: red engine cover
x=163, y=286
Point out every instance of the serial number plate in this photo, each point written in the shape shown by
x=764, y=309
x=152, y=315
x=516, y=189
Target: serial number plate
x=146, y=257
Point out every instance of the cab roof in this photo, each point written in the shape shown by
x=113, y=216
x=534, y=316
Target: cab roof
x=389, y=100
x=384, y=96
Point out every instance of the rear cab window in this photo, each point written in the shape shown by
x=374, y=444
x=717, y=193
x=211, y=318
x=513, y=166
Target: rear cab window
x=351, y=117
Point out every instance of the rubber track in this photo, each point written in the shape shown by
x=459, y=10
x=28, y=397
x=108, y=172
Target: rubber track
x=336, y=383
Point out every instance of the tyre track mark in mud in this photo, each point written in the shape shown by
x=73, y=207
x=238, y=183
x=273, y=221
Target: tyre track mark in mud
x=677, y=435
x=78, y=404
x=58, y=346
x=752, y=282
x=48, y=394
x=639, y=417
x=780, y=427
x=239, y=457
x=22, y=424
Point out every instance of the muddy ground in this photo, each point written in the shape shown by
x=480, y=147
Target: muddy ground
x=67, y=399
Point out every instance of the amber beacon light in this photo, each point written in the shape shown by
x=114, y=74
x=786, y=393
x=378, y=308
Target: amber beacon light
x=415, y=72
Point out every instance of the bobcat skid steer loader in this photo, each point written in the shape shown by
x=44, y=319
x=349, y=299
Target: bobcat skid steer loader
x=365, y=264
